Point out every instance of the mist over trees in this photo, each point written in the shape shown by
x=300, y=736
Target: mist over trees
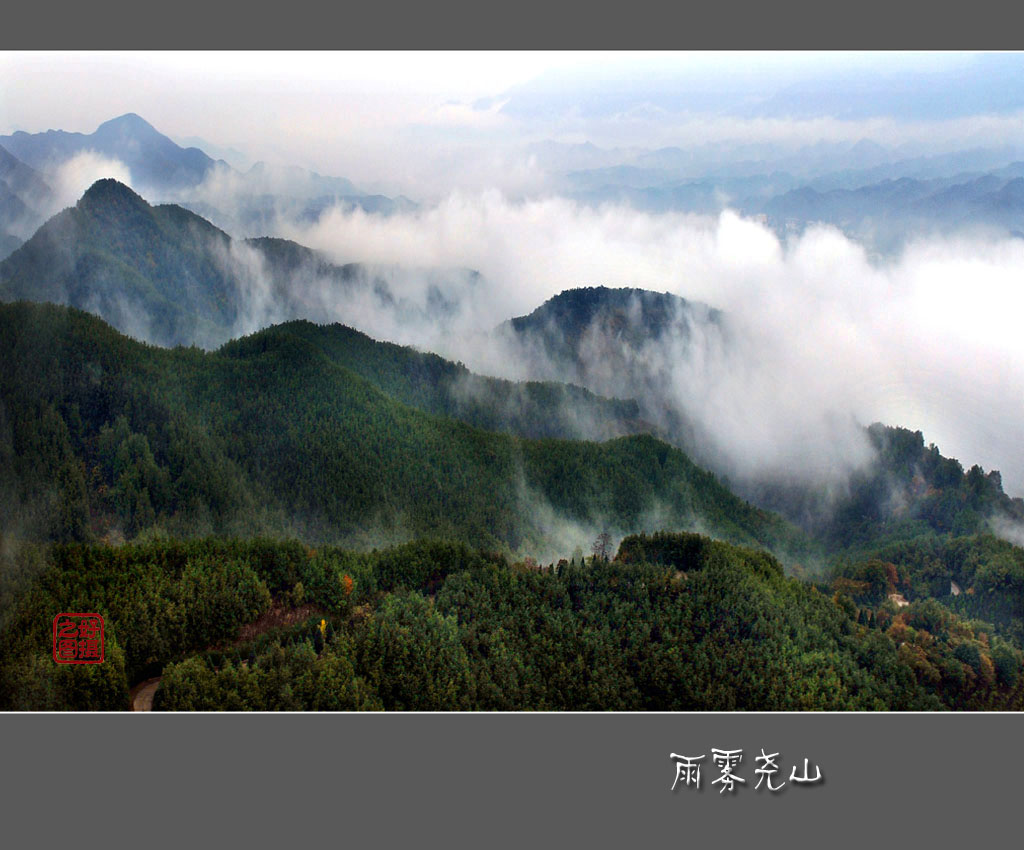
x=271, y=435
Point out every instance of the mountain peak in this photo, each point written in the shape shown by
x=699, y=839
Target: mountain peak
x=590, y=299
x=109, y=191
x=130, y=122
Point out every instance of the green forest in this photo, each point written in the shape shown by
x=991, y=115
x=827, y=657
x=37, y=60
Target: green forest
x=673, y=622
x=106, y=436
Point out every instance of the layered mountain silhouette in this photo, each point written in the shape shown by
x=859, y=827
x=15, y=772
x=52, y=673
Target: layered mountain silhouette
x=155, y=162
x=24, y=195
x=601, y=360
x=881, y=212
x=244, y=203
x=166, y=275
x=994, y=200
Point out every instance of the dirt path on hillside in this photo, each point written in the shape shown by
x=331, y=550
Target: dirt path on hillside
x=277, y=616
x=142, y=694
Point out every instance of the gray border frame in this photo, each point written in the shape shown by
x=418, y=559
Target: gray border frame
x=460, y=24
x=511, y=780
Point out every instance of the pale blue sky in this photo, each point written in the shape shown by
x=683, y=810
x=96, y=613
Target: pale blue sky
x=358, y=113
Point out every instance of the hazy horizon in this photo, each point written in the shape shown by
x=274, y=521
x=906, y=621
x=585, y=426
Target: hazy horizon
x=390, y=120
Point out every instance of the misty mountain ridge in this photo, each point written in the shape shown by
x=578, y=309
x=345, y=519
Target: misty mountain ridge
x=170, y=277
x=619, y=320
x=154, y=160
x=629, y=343
x=784, y=185
x=258, y=201
x=256, y=215
x=906, y=205
x=427, y=382
x=908, y=490
x=858, y=186
x=613, y=342
x=823, y=165
x=158, y=273
x=187, y=175
x=24, y=194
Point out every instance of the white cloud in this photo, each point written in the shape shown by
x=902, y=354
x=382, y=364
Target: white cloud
x=928, y=340
x=73, y=176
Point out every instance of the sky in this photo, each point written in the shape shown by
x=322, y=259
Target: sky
x=392, y=121
x=926, y=339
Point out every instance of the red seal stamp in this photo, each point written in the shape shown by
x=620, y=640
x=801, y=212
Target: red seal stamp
x=78, y=639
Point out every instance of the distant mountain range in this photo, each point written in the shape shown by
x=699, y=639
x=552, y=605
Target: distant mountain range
x=882, y=213
x=245, y=203
x=156, y=163
x=994, y=200
x=253, y=214
x=878, y=195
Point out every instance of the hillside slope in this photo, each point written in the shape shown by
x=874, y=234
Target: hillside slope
x=102, y=434
x=168, y=276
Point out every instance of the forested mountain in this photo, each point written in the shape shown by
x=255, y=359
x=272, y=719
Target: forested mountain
x=105, y=435
x=435, y=385
x=562, y=326
x=622, y=343
x=167, y=276
x=322, y=434
x=909, y=489
x=619, y=341
x=159, y=273
x=612, y=341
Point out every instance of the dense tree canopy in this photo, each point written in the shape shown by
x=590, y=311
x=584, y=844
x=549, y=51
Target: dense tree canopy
x=439, y=626
x=100, y=435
